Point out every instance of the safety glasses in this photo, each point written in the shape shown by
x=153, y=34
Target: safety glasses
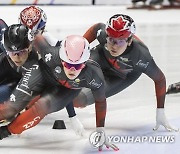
x=119, y=42
x=18, y=53
x=76, y=66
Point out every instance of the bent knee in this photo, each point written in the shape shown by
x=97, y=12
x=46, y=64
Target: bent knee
x=43, y=106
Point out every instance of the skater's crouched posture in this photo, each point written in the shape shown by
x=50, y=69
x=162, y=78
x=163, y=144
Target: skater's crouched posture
x=123, y=58
x=67, y=70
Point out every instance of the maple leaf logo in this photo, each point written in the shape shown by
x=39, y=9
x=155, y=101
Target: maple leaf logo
x=114, y=63
x=118, y=23
x=65, y=83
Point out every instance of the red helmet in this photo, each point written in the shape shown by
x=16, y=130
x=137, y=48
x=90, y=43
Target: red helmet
x=33, y=17
x=120, y=26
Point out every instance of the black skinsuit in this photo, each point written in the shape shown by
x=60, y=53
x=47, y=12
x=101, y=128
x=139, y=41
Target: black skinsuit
x=122, y=71
x=39, y=75
x=10, y=74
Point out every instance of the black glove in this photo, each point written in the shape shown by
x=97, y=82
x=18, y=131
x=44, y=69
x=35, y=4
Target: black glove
x=173, y=88
x=4, y=132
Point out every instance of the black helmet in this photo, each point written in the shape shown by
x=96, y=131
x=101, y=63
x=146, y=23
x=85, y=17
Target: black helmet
x=16, y=38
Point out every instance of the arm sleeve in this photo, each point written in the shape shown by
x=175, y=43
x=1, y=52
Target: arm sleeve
x=3, y=27
x=100, y=100
x=92, y=32
x=100, y=106
x=70, y=110
x=30, y=85
x=49, y=54
x=50, y=39
x=154, y=72
x=42, y=46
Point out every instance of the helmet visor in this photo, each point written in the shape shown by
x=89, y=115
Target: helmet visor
x=76, y=66
x=19, y=53
x=119, y=42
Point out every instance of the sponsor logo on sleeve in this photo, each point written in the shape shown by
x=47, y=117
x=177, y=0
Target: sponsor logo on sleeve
x=24, y=86
x=95, y=84
x=141, y=64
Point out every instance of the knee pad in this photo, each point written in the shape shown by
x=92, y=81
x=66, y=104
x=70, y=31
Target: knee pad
x=42, y=106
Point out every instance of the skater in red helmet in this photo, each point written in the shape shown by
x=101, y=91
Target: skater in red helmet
x=123, y=59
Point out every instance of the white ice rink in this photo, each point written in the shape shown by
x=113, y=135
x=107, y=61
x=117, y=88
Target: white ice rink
x=132, y=112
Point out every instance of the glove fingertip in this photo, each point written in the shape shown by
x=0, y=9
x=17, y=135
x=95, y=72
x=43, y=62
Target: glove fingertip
x=117, y=149
x=156, y=127
x=177, y=130
x=168, y=129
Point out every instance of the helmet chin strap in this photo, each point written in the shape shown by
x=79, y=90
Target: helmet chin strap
x=129, y=41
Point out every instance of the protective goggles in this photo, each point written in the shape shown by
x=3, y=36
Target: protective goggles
x=119, y=42
x=76, y=66
x=18, y=53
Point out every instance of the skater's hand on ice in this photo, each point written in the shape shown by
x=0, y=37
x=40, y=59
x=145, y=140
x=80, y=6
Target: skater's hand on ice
x=161, y=120
x=78, y=127
x=99, y=139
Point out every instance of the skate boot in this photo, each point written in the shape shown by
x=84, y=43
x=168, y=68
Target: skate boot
x=157, y=4
x=4, y=132
x=136, y=1
x=173, y=88
x=174, y=2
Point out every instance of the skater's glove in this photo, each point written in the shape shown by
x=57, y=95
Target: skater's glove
x=103, y=140
x=173, y=88
x=78, y=127
x=161, y=120
x=32, y=34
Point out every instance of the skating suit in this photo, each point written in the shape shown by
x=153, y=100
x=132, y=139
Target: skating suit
x=48, y=78
x=10, y=74
x=120, y=72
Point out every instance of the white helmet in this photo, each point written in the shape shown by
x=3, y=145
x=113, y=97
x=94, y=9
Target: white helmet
x=33, y=17
x=74, y=49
